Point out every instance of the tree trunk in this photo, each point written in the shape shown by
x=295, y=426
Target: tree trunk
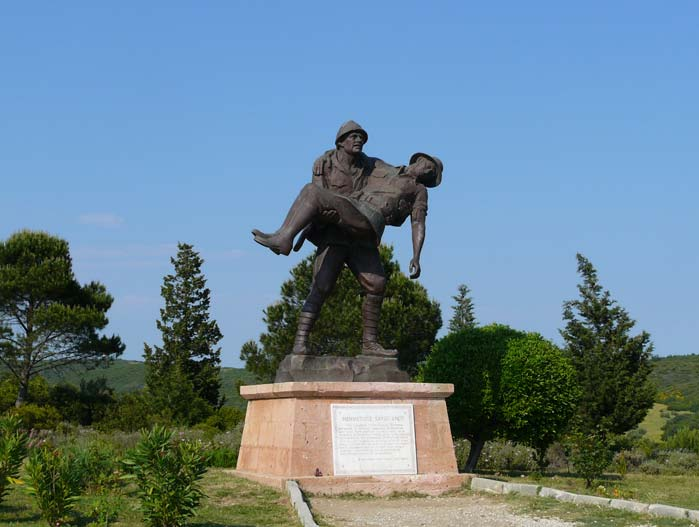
x=23, y=392
x=473, y=455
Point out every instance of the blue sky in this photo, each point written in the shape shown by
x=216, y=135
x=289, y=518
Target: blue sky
x=564, y=127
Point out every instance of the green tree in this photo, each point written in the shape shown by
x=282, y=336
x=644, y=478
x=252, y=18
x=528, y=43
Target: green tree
x=189, y=359
x=464, y=316
x=539, y=392
x=612, y=366
x=471, y=360
x=409, y=319
x=47, y=319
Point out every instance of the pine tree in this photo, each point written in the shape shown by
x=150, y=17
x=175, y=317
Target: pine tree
x=47, y=319
x=189, y=360
x=463, y=311
x=612, y=366
x=409, y=319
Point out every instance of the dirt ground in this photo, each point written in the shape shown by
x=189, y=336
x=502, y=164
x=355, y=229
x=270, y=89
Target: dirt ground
x=422, y=512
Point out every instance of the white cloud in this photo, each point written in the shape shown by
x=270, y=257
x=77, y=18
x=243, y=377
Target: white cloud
x=101, y=219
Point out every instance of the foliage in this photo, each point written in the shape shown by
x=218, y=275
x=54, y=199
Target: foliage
x=47, y=319
x=189, y=358
x=472, y=360
x=612, y=368
x=13, y=450
x=96, y=462
x=38, y=392
x=173, y=398
x=539, y=392
x=85, y=404
x=131, y=412
x=685, y=439
x=499, y=455
x=225, y=418
x=54, y=482
x=409, y=319
x=232, y=501
x=167, y=473
x=463, y=316
x=677, y=378
x=678, y=422
x=39, y=417
x=591, y=454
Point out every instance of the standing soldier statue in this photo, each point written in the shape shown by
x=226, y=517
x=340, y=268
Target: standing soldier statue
x=343, y=212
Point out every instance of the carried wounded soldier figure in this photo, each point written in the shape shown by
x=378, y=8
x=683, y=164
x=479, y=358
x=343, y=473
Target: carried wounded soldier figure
x=391, y=195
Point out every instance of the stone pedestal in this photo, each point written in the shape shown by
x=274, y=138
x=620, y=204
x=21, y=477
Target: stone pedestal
x=288, y=435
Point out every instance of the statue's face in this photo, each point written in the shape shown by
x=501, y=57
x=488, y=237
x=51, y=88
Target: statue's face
x=353, y=143
x=423, y=168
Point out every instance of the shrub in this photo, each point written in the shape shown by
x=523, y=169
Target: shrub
x=225, y=418
x=539, y=393
x=96, y=462
x=507, y=456
x=13, y=450
x=54, y=482
x=131, y=412
x=35, y=416
x=590, y=455
x=679, y=422
x=167, y=472
x=685, y=439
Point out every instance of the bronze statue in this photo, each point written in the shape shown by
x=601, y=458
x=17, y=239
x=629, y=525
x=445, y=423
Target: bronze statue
x=344, y=212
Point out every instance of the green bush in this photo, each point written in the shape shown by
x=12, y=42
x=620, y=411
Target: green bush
x=539, y=393
x=96, y=462
x=39, y=417
x=131, y=412
x=13, y=450
x=591, y=455
x=167, y=473
x=225, y=418
x=55, y=482
x=680, y=422
x=685, y=439
x=471, y=359
x=507, y=456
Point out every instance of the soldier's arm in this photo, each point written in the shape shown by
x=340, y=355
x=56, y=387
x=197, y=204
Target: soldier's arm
x=417, y=223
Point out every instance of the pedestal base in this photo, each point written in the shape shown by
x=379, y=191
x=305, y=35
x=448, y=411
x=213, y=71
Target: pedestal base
x=288, y=435
x=430, y=484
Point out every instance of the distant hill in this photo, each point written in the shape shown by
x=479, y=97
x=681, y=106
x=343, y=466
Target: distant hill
x=128, y=376
x=677, y=379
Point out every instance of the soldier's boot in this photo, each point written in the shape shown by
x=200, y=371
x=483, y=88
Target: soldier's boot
x=306, y=321
x=371, y=311
x=300, y=214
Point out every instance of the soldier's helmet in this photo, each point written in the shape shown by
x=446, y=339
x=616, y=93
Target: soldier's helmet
x=348, y=128
x=438, y=163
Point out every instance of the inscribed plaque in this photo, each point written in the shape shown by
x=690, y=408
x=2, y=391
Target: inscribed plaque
x=373, y=439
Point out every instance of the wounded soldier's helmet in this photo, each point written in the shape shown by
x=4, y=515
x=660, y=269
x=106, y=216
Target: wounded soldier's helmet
x=437, y=162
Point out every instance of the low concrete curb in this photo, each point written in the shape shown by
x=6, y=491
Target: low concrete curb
x=664, y=511
x=300, y=504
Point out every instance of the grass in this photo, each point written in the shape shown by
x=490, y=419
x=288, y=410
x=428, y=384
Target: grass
x=231, y=502
x=680, y=491
x=585, y=515
x=654, y=421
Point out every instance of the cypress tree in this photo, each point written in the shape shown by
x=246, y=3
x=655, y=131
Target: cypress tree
x=189, y=359
x=463, y=311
